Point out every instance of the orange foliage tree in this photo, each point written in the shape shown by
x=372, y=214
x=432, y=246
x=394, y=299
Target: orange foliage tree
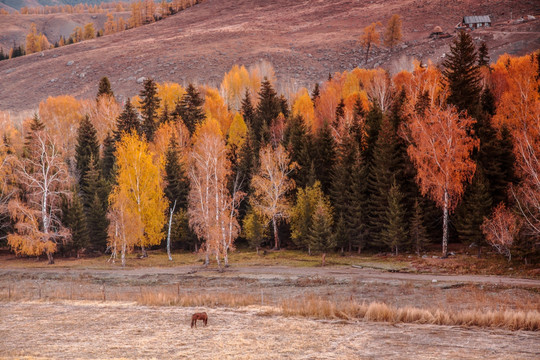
x=519, y=110
x=501, y=229
x=370, y=37
x=441, y=147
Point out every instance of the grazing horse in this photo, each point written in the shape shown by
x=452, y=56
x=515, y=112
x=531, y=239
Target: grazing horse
x=199, y=316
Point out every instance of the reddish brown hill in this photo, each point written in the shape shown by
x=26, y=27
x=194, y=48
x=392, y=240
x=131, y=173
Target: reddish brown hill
x=304, y=40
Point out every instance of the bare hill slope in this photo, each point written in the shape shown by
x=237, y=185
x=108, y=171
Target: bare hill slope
x=304, y=41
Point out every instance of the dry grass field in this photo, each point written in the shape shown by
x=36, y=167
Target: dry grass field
x=82, y=311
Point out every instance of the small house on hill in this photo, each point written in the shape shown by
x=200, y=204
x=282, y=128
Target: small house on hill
x=474, y=22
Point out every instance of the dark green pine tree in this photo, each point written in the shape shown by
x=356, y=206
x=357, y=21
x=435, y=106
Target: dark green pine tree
x=35, y=125
x=298, y=142
x=386, y=166
x=342, y=191
x=340, y=113
x=127, y=122
x=104, y=88
x=248, y=112
x=149, y=106
x=165, y=116
x=189, y=109
x=76, y=222
x=394, y=231
x=422, y=103
x=417, y=229
x=177, y=187
x=86, y=149
x=483, y=55
x=108, y=160
x=94, y=196
x=461, y=74
x=325, y=147
x=487, y=101
x=243, y=172
x=372, y=127
x=315, y=93
x=320, y=235
x=474, y=207
x=267, y=110
x=357, y=128
x=284, y=106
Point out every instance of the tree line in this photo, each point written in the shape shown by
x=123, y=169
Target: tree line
x=364, y=161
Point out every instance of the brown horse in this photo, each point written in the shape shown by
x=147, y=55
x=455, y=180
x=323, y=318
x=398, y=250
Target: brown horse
x=199, y=316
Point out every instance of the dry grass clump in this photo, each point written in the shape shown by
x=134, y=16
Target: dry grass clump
x=381, y=312
x=169, y=298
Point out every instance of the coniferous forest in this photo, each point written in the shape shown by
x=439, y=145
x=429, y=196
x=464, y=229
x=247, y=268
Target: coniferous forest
x=364, y=161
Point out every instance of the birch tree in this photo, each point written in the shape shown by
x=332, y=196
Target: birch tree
x=43, y=177
x=271, y=186
x=139, y=191
x=441, y=150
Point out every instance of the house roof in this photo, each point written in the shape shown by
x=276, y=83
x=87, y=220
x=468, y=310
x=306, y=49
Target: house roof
x=476, y=19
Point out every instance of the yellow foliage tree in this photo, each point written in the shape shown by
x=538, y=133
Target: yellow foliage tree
x=89, y=31
x=370, y=37
x=215, y=107
x=303, y=106
x=36, y=42
x=138, y=192
x=234, y=85
x=170, y=94
x=237, y=132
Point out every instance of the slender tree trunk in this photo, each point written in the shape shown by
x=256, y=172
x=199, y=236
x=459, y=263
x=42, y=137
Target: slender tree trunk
x=144, y=253
x=323, y=259
x=206, y=259
x=124, y=253
x=169, y=232
x=276, y=236
x=50, y=257
x=445, y=226
x=367, y=52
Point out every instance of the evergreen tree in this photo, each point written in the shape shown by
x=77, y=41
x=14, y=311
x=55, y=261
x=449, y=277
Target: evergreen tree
x=326, y=154
x=165, y=117
x=108, y=159
x=355, y=214
x=298, y=143
x=461, y=74
x=385, y=167
x=487, y=101
x=149, y=105
x=372, y=127
x=253, y=229
x=474, y=207
x=76, y=222
x=320, y=232
x=394, y=231
x=267, y=110
x=86, y=149
x=418, y=232
x=95, y=195
x=483, y=56
x=104, y=88
x=422, y=103
x=247, y=109
x=127, y=122
x=315, y=93
x=190, y=108
x=35, y=125
x=340, y=113
x=177, y=187
x=284, y=106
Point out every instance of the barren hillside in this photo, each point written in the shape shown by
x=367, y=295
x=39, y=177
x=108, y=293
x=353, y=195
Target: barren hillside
x=303, y=40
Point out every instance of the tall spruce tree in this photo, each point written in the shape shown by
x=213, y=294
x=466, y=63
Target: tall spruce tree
x=94, y=195
x=473, y=209
x=483, y=55
x=108, y=158
x=298, y=143
x=461, y=74
x=394, y=230
x=177, y=187
x=340, y=113
x=127, y=122
x=267, y=110
x=316, y=93
x=86, y=149
x=417, y=229
x=248, y=112
x=325, y=146
x=149, y=106
x=190, y=108
x=76, y=221
x=104, y=88
x=35, y=125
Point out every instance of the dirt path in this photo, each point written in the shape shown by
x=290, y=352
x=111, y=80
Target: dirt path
x=277, y=272
x=92, y=330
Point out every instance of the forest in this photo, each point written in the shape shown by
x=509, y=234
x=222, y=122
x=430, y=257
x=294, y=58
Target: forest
x=364, y=161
